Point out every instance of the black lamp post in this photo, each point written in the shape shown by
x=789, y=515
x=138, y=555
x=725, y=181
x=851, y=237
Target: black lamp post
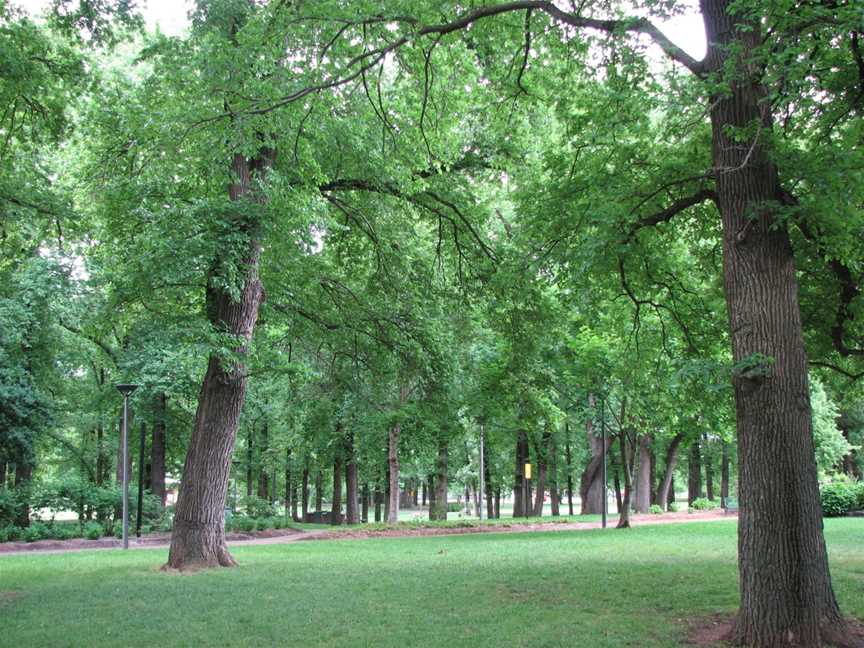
x=126, y=390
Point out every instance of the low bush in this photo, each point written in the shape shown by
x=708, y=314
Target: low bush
x=656, y=509
x=64, y=531
x=454, y=507
x=838, y=498
x=704, y=504
x=93, y=530
x=674, y=507
x=10, y=533
x=36, y=531
x=257, y=507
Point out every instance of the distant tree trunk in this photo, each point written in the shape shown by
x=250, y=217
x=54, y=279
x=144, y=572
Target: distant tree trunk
x=694, y=472
x=487, y=479
x=289, y=498
x=520, y=488
x=497, y=503
x=23, y=476
x=378, y=498
x=100, y=455
x=643, y=485
x=250, y=440
x=709, y=478
x=554, y=493
x=351, y=486
x=627, y=470
x=542, y=453
x=387, y=497
x=393, y=473
x=616, y=480
x=2, y=473
x=414, y=493
x=724, y=474
x=263, y=477
x=336, y=505
x=438, y=504
x=424, y=493
x=569, y=459
x=652, y=473
x=364, y=503
x=591, y=487
x=666, y=492
x=319, y=493
x=304, y=494
x=157, y=448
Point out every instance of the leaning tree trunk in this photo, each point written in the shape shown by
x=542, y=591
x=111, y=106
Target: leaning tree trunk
x=438, y=501
x=786, y=593
x=157, y=448
x=198, y=537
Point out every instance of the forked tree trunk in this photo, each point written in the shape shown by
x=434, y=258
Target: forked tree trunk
x=438, y=503
x=666, y=491
x=198, y=537
x=157, y=448
x=786, y=593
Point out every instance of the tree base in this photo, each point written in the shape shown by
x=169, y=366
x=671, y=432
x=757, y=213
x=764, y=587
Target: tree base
x=715, y=630
x=198, y=546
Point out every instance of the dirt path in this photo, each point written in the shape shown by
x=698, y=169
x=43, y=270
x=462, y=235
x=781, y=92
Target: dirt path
x=285, y=536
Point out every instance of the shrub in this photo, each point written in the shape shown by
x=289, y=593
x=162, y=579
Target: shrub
x=64, y=531
x=256, y=507
x=860, y=503
x=10, y=533
x=454, y=507
x=244, y=523
x=8, y=506
x=704, y=504
x=656, y=509
x=674, y=507
x=93, y=530
x=36, y=531
x=838, y=498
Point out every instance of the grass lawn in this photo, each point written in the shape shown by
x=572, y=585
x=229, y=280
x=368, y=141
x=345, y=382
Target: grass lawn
x=588, y=588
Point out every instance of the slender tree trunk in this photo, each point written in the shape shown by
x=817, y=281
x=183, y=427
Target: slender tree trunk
x=643, y=484
x=425, y=494
x=554, y=493
x=786, y=593
x=100, y=454
x=616, y=481
x=541, y=452
x=319, y=494
x=352, y=512
x=487, y=480
x=520, y=487
x=23, y=477
x=364, y=503
x=438, y=507
x=157, y=447
x=627, y=470
x=336, y=505
x=2, y=473
x=666, y=492
x=497, y=503
x=724, y=474
x=709, y=478
x=694, y=472
x=377, y=496
x=304, y=494
x=393, y=473
x=263, y=477
x=569, y=459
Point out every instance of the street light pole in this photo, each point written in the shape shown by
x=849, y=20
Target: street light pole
x=603, y=437
x=126, y=390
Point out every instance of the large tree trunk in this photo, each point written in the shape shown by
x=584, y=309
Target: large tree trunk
x=438, y=503
x=592, y=490
x=352, y=512
x=694, y=472
x=643, y=478
x=520, y=488
x=336, y=504
x=157, y=449
x=786, y=593
x=666, y=494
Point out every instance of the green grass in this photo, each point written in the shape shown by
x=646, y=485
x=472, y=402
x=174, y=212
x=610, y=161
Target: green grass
x=452, y=522
x=588, y=588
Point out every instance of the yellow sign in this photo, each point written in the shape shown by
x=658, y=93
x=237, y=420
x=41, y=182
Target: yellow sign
x=527, y=471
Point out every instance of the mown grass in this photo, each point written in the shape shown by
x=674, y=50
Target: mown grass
x=450, y=523
x=586, y=588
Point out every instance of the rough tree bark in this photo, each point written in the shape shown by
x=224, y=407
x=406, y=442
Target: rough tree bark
x=157, y=448
x=438, y=501
x=198, y=537
x=786, y=593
